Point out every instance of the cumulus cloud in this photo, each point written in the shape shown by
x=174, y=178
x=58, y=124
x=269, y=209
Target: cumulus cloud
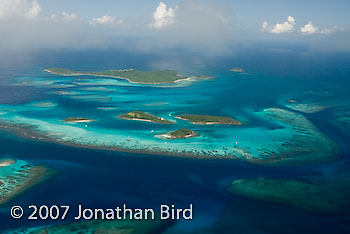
x=309, y=28
x=68, y=17
x=19, y=8
x=106, y=19
x=162, y=16
x=34, y=10
x=285, y=27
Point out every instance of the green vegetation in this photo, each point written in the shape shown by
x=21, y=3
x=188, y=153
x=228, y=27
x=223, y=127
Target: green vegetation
x=208, y=119
x=182, y=133
x=320, y=198
x=135, y=76
x=142, y=116
x=77, y=119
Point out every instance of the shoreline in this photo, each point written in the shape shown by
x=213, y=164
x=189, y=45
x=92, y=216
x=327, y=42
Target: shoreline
x=208, y=123
x=124, y=78
x=80, y=121
x=145, y=120
x=169, y=137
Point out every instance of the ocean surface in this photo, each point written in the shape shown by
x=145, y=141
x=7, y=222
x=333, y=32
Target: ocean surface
x=100, y=178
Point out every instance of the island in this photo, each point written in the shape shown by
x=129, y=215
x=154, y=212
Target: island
x=7, y=162
x=208, y=119
x=16, y=176
x=132, y=75
x=143, y=116
x=180, y=134
x=326, y=198
x=236, y=69
x=77, y=120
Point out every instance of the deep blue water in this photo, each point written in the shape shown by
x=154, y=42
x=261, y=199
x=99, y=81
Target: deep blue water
x=103, y=179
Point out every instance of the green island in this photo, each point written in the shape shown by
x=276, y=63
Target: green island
x=143, y=116
x=180, y=134
x=236, y=69
x=208, y=119
x=132, y=75
x=16, y=176
x=127, y=226
x=325, y=198
x=77, y=120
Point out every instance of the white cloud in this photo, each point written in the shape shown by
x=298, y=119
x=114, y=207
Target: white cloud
x=106, y=19
x=332, y=30
x=68, y=17
x=285, y=27
x=309, y=28
x=34, y=10
x=19, y=8
x=162, y=17
x=264, y=26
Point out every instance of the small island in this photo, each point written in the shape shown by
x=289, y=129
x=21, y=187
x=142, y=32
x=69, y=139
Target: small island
x=132, y=75
x=142, y=116
x=208, y=119
x=180, y=134
x=7, y=162
x=236, y=69
x=77, y=120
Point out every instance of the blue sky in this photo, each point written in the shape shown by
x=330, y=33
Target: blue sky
x=250, y=13
x=154, y=24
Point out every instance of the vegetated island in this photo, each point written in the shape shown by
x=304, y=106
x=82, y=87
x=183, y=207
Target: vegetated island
x=180, y=134
x=132, y=75
x=143, y=116
x=19, y=176
x=236, y=69
x=327, y=198
x=209, y=119
x=77, y=120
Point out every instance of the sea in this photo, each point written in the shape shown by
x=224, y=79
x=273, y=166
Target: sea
x=100, y=178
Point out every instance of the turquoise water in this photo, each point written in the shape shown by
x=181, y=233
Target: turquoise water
x=273, y=128
x=257, y=140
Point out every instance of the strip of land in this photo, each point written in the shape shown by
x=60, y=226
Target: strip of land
x=7, y=162
x=132, y=75
x=236, y=69
x=143, y=116
x=180, y=134
x=77, y=120
x=208, y=119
